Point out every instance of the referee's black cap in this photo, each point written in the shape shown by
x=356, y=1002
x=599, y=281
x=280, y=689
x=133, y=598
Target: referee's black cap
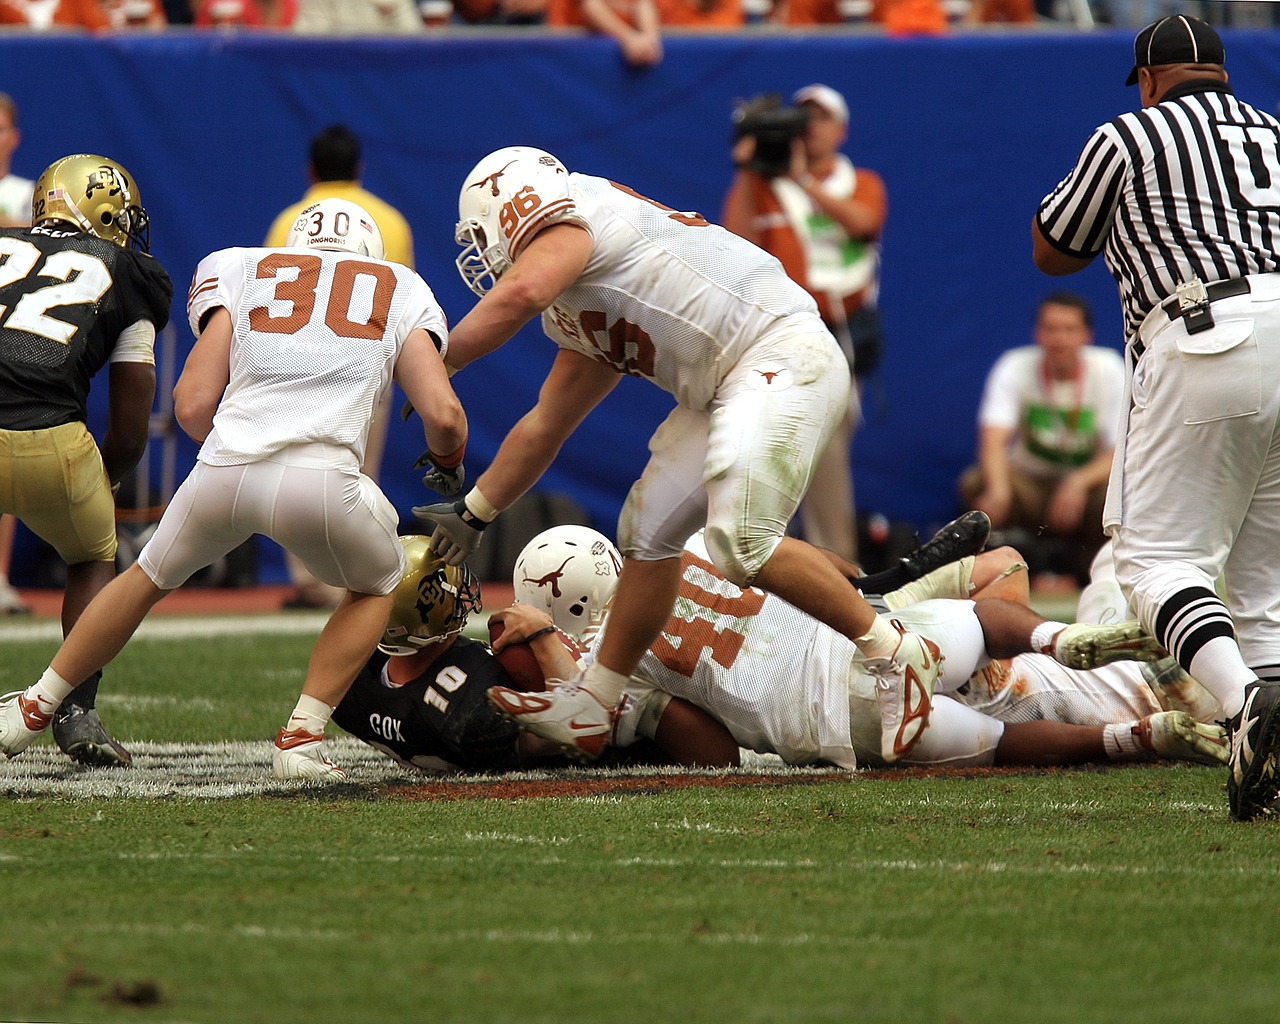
x=1177, y=39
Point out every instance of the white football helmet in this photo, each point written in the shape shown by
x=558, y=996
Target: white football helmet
x=571, y=572
x=505, y=199
x=336, y=224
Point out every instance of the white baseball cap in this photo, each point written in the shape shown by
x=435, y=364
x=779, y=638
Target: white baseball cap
x=825, y=97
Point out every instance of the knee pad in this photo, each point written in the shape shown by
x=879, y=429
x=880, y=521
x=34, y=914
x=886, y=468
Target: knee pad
x=739, y=555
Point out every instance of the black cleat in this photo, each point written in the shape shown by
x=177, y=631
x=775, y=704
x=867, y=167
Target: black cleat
x=80, y=735
x=1254, y=781
x=964, y=536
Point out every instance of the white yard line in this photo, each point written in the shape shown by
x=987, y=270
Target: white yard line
x=182, y=627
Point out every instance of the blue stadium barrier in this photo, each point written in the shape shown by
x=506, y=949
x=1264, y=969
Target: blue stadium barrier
x=968, y=130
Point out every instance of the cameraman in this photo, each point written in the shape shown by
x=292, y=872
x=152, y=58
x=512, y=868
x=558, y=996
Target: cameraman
x=822, y=218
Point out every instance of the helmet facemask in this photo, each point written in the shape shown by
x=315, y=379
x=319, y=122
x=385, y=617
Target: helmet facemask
x=479, y=263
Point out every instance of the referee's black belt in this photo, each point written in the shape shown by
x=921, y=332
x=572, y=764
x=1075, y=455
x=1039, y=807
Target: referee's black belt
x=1217, y=290
x=1213, y=292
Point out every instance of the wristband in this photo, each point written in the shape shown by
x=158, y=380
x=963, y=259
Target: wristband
x=540, y=633
x=451, y=460
x=478, y=505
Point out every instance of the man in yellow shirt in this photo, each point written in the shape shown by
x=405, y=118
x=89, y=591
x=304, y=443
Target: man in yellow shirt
x=334, y=168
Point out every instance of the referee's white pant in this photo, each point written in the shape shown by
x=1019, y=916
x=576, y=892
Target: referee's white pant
x=1196, y=487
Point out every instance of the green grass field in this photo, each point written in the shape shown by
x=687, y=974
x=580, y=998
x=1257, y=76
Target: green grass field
x=1068, y=896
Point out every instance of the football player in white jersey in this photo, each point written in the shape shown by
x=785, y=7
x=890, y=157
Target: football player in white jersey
x=783, y=683
x=295, y=347
x=625, y=285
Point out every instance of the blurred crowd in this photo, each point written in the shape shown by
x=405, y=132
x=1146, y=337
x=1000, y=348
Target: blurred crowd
x=635, y=24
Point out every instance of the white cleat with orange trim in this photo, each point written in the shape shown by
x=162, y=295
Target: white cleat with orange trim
x=904, y=690
x=298, y=755
x=570, y=716
x=21, y=721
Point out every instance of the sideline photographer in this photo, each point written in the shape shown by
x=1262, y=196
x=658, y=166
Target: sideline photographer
x=797, y=196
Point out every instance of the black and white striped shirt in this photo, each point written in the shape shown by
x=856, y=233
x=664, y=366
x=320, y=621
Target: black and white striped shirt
x=1190, y=186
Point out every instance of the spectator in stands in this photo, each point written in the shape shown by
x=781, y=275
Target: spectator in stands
x=245, y=13
x=179, y=12
x=822, y=217
x=709, y=14
x=346, y=16
x=135, y=14
x=15, y=212
x=15, y=191
x=501, y=12
x=633, y=24
x=1017, y=12
x=334, y=167
x=1047, y=430
x=899, y=17
x=60, y=14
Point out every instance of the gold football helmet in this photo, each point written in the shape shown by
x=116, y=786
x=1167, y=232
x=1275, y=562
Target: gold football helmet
x=93, y=194
x=432, y=600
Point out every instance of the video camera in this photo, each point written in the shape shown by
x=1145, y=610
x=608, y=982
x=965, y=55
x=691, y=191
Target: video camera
x=773, y=125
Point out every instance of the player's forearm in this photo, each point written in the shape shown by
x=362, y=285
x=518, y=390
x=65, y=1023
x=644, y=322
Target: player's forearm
x=121, y=454
x=525, y=454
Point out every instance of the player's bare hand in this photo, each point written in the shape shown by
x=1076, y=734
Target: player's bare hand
x=519, y=622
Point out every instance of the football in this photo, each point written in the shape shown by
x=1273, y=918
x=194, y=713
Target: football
x=520, y=663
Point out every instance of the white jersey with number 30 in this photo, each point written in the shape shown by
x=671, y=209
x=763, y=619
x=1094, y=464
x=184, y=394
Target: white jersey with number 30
x=316, y=338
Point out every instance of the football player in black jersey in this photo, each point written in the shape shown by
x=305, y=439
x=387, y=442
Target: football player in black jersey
x=421, y=697
x=78, y=290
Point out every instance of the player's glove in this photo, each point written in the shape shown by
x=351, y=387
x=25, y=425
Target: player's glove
x=446, y=480
x=457, y=530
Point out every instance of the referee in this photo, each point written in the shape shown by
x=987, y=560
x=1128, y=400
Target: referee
x=1182, y=199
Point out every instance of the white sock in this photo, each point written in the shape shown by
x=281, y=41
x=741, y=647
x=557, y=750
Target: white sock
x=1219, y=669
x=1120, y=743
x=49, y=691
x=954, y=581
x=604, y=683
x=880, y=641
x=310, y=715
x=1043, y=635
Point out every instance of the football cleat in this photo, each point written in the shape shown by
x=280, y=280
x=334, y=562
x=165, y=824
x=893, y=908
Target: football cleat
x=1087, y=645
x=297, y=755
x=1254, y=779
x=966, y=535
x=570, y=716
x=80, y=735
x=21, y=721
x=1176, y=735
x=904, y=691
x=1175, y=690
x=11, y=602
